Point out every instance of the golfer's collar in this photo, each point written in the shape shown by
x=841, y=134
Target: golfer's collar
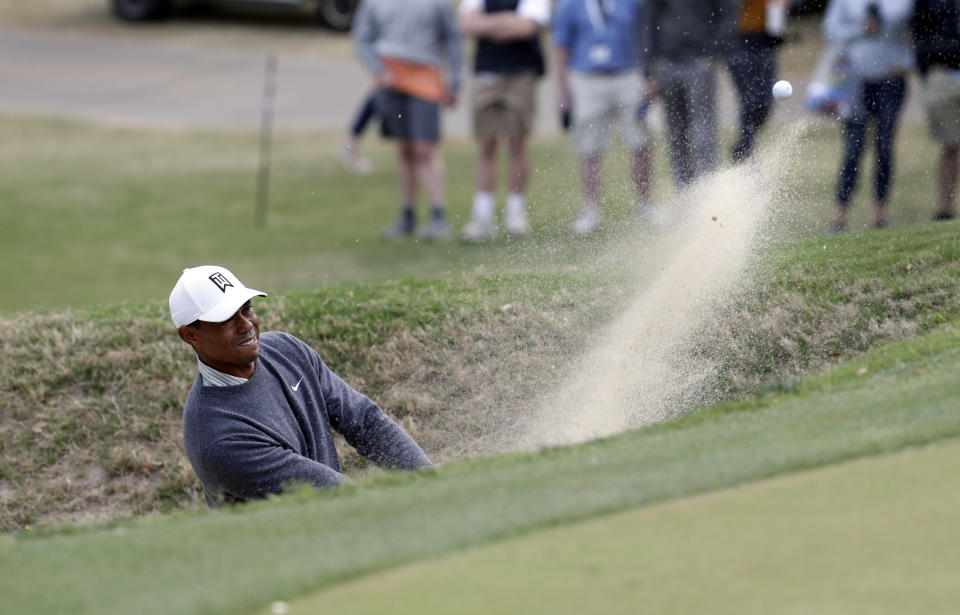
x=215, y=378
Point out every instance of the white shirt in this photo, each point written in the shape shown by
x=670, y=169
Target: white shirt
x=215, y=378
x=537, y=10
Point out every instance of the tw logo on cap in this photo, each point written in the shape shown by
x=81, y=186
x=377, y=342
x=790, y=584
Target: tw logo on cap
x=221, y=281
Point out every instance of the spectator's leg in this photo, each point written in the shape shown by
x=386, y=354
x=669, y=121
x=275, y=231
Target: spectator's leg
x=889, y=101
x=948, y=180
x=739, y=65
x=364, y=115
x=702, y=105
x=853, y=133
x=519, y=164
x=408, y=172
x=677, y=115
x=590, y=177
x=515, y=207
x=642, y=165
x=350, y=149
x=486, y=169
x=753, y=73
x=432, y=172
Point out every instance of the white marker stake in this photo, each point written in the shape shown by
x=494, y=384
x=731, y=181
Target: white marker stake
x=266, y=136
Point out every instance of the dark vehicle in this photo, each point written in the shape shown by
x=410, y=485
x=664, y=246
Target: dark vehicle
x=337, y=14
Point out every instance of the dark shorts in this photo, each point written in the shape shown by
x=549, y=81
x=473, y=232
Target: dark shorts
x=408, y=117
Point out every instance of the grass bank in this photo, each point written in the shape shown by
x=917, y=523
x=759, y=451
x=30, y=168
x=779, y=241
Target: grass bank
x=91, y=399
x=897, y=396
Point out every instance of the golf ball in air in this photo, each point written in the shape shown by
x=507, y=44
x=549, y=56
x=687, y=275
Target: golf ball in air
x=782, y=90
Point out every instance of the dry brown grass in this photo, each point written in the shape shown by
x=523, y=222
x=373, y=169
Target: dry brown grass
x=89, y=413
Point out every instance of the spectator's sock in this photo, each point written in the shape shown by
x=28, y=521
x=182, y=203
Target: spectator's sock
x=408, y=216
x=483, y=206
x=516, y=204
x=437, y=212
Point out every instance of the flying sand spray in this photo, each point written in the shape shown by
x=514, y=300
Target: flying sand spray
x=642, y=368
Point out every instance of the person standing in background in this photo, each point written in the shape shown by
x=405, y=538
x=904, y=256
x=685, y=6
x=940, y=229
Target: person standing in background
x=936, y=35
x=687, y=38
x=413, y=50
x=752, y=60
x=508, y=64
x=875, y=38
x=349, y=150
x=600, y=81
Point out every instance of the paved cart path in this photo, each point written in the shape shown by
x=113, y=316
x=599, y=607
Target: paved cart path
x=117, y=75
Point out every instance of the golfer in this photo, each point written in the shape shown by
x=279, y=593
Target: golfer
x=260, y=413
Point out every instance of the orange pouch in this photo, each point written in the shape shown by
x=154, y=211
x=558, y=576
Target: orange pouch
x=418, y=80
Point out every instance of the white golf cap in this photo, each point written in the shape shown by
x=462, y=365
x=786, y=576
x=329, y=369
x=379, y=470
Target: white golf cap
x=208, y=293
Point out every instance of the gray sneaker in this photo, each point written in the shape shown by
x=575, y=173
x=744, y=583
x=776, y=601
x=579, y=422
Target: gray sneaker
x=437, y=230
x=400, y=228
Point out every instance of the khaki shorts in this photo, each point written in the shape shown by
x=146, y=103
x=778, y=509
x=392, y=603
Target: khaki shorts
x=601, y=102
x=504, y=104
x=943, y=105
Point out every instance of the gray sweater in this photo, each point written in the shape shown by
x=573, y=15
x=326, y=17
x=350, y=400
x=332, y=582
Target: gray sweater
x=417, y=31
x=871, y=57
x=250, y=440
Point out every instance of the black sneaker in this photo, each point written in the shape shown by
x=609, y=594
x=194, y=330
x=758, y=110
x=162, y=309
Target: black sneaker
x=943, y=215
x=881, y=223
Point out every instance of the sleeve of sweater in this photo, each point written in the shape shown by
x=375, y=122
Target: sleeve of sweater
x=246, y=464
x=454, y=44
x=366, y=428
x=840, y=25
x=364, y=33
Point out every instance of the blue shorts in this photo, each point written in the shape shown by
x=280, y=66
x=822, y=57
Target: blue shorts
x=408, y=117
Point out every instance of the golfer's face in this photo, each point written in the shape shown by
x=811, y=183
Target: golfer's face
x=231, y=346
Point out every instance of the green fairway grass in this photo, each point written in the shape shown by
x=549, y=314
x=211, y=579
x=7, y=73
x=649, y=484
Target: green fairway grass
x=876, y=535
x=94, y=214
x=237, y=560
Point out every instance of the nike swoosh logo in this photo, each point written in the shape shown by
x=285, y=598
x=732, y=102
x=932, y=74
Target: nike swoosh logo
x=296, y=386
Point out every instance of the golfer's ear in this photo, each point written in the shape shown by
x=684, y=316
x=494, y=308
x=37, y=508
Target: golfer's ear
x=188, y=334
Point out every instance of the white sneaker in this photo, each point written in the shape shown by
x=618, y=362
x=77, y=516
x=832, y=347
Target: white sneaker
x=516, y=223
x=587, y=222
x=478, y=230
x=354, y=161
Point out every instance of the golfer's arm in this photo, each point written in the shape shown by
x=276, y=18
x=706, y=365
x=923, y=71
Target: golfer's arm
x=251, y=467
x=366, y=428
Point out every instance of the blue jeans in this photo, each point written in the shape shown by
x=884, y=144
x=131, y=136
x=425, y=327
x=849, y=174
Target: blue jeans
x=364, y=114
x=880, y=101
